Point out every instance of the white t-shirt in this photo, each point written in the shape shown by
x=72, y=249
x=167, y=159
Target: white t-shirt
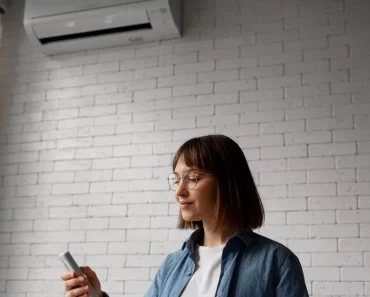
x=207, y=272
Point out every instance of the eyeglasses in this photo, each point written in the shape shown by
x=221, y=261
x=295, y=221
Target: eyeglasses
x=189, y=179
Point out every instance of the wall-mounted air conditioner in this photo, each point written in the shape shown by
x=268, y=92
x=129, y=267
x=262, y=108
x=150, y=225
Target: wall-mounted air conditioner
x=60, y=26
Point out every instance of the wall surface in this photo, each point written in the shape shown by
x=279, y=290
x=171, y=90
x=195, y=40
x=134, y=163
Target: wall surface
x=89, y=137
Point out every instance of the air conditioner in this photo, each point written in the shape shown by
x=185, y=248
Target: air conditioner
x=3, y=6
x=61, y=26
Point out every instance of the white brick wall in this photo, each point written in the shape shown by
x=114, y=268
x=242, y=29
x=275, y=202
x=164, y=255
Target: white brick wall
x=88, y=140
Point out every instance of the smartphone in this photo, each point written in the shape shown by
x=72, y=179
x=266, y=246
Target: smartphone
x=71, y=265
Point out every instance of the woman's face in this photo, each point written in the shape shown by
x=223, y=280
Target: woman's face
x=196, y=204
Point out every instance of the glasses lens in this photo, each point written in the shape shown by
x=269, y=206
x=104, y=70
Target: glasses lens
x=173, y=181
x=190, y=179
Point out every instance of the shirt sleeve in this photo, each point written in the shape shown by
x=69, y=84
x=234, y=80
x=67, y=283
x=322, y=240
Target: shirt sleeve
x=291, y=282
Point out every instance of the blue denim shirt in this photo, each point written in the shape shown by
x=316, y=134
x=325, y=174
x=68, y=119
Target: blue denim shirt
x=251, y=266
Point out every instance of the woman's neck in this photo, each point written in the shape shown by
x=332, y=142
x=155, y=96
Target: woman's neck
x=216, y=237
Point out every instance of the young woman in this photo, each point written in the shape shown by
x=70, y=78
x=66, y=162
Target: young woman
x=223, y=257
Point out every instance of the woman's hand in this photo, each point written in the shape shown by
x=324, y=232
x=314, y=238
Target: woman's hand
x=77, y=286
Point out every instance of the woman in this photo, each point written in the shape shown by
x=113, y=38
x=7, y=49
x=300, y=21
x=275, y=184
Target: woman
x=223, y=257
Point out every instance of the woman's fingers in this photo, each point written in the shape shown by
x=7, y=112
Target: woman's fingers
x=78, y=292
x=74, y=283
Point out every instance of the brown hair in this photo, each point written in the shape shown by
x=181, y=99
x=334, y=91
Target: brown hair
x=238, y=203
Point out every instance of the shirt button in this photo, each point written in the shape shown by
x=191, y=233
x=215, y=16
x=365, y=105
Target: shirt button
x=188, y=273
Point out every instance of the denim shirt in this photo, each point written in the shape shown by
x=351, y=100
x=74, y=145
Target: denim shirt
x=251, y=266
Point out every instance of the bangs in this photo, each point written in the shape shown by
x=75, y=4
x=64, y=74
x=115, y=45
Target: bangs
x=195, y=153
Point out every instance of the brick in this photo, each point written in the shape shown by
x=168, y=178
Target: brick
x=57, y=177
x=239, y=130
x=285, y=231
x=334, y=231
x=74, y=143
x=283, y=152
x=282, y=127
x=193, y=46
x=359, y=161
x=109, y=187
x=101, y=68
x=351, y=135
x=262, y=116
x=311, y=217
x=140, y=96
x=218, y=54
x=364, y=202
x=363, y=175
x=275, y=218
x=359, y=188
x=308, y=137
x=261, y=141
x=105, y=236
x=313, y=245
x=285, y=204
x=277, y=178
x=321, y=189
x=304, y=113
x=74, y=165
x=234, y=41
x=147, y=235
x=129, y=222
x=91, y=176
x=236, y=63
x=138, y=63
x=354, y=244
x=193, y=111
x=152, y=115
x=128, y=247
x=154, y=51
x=177, y=80
x=334, y=149
x=179, y=58
x=364, y=232
x=70, y=124
x=276, y=82
x=322, y=54
x=334, y=123
x=259, y=72
x=217, y=76
x=286, y=35
x=198, y=89
x=340, y=175
x=282, y=58
x=137, y=85
x=280, y=104
x=191, y=68
x=261, y=49
x=306, y=67
x=355, y=274
x=229, y=98
x=269, y=95
x=305, y=91
x=363, y=147
x=337, y=259
x=353, y=216
x=131, y=150
x=112, y=140
x=113, y=98
x=235, y=108
x=116, y=55
x=218, y=120
x=349, y=288
x=348, y=87
x=276, y=191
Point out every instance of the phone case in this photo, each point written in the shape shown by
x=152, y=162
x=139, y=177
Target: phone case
x=71, y=265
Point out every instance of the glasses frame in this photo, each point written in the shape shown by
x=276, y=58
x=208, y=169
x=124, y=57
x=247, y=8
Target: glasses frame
x=186, y=185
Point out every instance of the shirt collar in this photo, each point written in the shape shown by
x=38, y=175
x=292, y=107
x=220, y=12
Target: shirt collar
x=245, y=235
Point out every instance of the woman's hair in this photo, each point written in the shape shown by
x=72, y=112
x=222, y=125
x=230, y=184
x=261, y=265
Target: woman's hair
x=238, y=203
